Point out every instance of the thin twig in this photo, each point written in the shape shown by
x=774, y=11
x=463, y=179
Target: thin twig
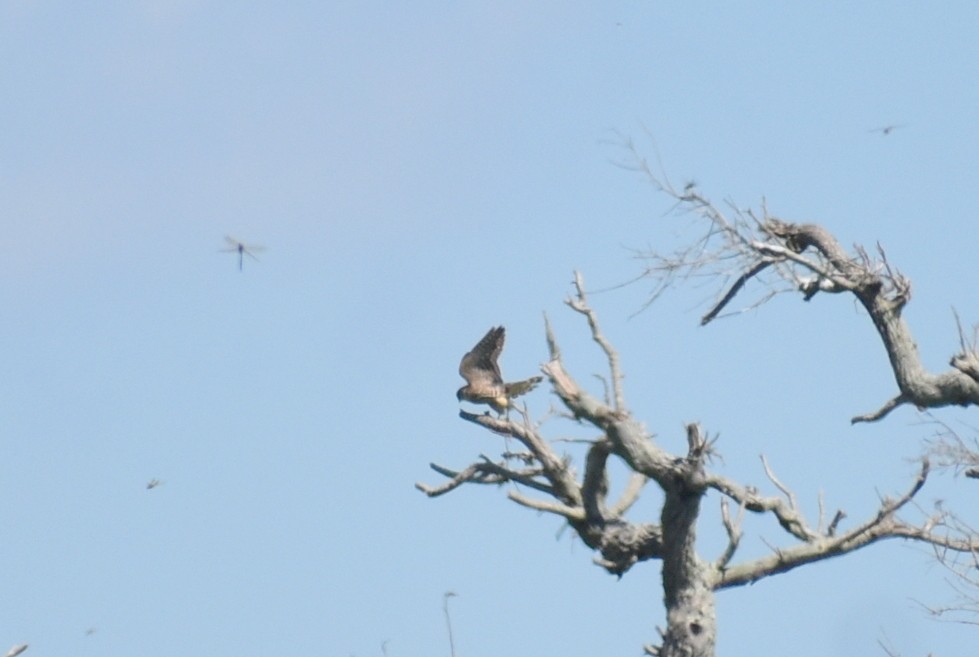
x=734, y=532
x=580, y=304
x=448, y=620
x=793, y=502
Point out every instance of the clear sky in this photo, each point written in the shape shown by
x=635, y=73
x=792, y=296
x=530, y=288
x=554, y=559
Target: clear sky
x=419, y=172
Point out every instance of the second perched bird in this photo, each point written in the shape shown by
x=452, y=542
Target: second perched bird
x=484, y=383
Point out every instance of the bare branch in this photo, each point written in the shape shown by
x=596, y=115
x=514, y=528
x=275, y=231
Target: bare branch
x=963, y=571
x=734, y=533
x=629, y=496
x=457, y=479
x=553, y=468
x=552, y=346
x=831, y=530
x=882, y=411
x=607, y=395
x=743, y=250
x=484, y=472
x=952, y=452
x=753, y=271
x=887, y=649
x=576, y=514
x=580, y=304
x=629, y=440
x=883, y=525
x=785, y=513
x=789, y=495
x=812, y=260
x=594, y=487
x=889, y=507
x=698, y=445
x=967, y=360
x=448, y=620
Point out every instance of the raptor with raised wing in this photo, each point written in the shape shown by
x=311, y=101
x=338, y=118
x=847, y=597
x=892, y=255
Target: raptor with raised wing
x=484, y=383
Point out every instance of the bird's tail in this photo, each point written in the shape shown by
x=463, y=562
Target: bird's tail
x=518, y=388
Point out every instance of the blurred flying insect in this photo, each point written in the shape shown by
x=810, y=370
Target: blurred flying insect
x=242, y=249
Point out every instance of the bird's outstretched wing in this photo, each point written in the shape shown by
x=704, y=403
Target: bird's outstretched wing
x=479, y=367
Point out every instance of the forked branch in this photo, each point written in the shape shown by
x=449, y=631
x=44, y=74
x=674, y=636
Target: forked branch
x=962, y=569
x=885, y=524
x=619, y=543
x=811, y=260
x=579, y=303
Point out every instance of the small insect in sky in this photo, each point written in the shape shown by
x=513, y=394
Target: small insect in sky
x=242, y=249
x=888, y=129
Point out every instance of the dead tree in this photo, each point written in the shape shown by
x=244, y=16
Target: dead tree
x=804, y=258
x=953, y=452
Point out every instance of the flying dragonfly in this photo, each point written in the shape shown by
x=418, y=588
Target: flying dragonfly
x=242, y=249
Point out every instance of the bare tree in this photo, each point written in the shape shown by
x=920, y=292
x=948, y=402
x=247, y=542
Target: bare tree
x=953, y=452
x=735, y=250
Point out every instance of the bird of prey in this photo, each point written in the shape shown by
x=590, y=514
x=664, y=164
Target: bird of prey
x=242, y=249
x=888, y=129
x=484, y=383
x=16, y=650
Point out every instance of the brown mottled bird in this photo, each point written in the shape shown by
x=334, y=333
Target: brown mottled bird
x=484, y=383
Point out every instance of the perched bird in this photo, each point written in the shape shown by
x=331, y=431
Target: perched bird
x=484, y=383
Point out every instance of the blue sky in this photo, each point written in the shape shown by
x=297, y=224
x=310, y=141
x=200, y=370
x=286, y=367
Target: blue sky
x=419, y=173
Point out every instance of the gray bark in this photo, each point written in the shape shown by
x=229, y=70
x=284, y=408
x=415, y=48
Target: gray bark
x=691, y=619
x=688, y=580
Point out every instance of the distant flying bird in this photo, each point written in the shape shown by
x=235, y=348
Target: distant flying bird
x=888, y=129
x=484, y=383
x=16, y=650
x=153, y=483
x=242, y=249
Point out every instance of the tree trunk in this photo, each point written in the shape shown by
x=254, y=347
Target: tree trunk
x=691, y=617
